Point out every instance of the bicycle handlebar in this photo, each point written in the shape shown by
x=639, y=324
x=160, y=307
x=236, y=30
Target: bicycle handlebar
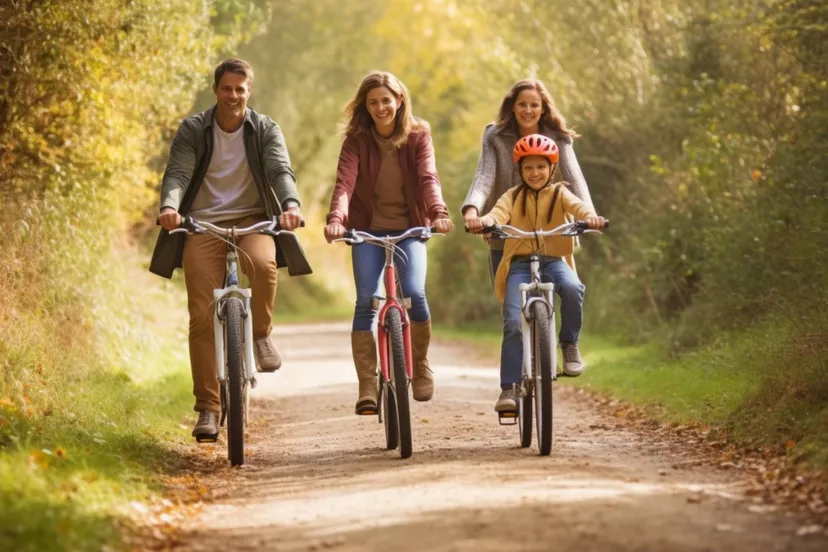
x=567, y=229
x=356, y=237
x=193, y=226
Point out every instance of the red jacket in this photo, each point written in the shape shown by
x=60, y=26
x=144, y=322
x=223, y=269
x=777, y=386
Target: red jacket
x=356, y=176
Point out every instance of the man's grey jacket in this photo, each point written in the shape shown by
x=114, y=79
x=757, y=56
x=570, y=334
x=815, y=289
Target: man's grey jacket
x=269, y=163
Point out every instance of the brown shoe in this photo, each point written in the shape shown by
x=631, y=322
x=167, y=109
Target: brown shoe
x=422, y=384
x=267, y=356
x=206, y=428
x=364, y=348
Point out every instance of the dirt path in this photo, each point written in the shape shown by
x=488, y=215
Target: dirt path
x=319, y=478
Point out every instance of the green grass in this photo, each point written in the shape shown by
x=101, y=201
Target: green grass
x=90, y=414
x=68, y=473
x=767, y=385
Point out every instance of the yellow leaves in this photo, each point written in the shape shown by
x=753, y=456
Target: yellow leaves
x=43, y=458
x=756, y=174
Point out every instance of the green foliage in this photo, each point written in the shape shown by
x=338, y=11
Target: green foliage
x=90, y=93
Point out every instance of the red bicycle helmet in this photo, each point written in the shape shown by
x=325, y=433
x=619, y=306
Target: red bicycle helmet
x=535, y=144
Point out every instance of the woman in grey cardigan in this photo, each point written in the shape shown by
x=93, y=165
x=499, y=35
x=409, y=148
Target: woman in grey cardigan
x=526, y=109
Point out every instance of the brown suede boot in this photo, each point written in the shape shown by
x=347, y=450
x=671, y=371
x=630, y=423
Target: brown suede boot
x=423, y=381
x=364, y=348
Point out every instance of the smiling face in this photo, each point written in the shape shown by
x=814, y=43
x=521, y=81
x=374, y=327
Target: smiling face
x=528, y=109
x=382, y=105
x=232, y=93
x=536, y=171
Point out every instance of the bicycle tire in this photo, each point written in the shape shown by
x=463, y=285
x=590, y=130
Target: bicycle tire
x=235, y=381
x=525, y=417
x=542, y=375
x=389, y=410
x=400, y=379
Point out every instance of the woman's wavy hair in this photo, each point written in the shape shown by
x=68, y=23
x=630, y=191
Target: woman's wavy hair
x=359, y=121
x=550, y=119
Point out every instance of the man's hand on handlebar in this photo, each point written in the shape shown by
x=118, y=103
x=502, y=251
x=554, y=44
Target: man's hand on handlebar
x=169, y=219
x=290, y=219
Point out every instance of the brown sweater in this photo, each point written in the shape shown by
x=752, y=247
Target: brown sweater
x=390, y=204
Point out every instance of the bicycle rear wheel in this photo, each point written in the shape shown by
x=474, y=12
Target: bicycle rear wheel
x=542, y=376
x=399, y=379
x=235, y=381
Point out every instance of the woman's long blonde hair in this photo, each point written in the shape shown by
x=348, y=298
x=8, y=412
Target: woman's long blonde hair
x=550, y=119
x=358, y=119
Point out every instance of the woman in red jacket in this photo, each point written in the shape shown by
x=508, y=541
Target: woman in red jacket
x=387, y=182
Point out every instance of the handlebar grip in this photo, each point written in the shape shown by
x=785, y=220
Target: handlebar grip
x=485, y=229
x=279, y=226
x=582, y=224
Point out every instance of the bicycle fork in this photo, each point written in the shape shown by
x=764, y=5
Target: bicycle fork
x=232, y=291
x=546, y=290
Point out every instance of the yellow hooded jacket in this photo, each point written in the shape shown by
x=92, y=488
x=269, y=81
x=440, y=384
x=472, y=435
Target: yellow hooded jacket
x=509, y=210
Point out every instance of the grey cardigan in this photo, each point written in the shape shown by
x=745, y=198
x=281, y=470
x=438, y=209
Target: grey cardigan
x=496, y=172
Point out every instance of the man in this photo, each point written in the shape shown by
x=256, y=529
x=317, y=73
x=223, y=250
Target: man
x=229, y=166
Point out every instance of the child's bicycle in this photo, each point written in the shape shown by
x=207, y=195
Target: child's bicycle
x=233, y=328
x=393, y=341
x=539, y=340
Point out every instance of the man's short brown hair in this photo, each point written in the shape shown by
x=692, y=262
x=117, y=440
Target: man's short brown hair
x=232, y=65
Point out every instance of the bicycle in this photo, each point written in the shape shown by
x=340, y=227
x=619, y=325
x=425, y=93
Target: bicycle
x=233, y=329
x=393, y=341
x=539, y=340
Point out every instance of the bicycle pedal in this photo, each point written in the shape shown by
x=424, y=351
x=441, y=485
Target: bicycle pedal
x=507, y=418
x=253, y=383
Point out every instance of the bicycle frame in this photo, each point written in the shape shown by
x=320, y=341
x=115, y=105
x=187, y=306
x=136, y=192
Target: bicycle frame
x=392, y=302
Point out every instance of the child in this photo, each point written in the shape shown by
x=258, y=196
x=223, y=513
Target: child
x=536, y=204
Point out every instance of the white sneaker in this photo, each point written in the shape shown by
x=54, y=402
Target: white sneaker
x=507, y=401
x=573, y=363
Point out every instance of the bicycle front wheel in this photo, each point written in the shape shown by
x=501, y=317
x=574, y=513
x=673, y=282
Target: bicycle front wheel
x=235, y=381
x=524, y=403
x=542, y=376
x=389, y=413
x=399, y=380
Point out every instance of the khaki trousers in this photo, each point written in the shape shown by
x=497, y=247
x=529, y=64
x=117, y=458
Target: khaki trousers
x=204, y=270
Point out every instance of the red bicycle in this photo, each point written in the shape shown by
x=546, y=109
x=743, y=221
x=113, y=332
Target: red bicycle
x=393, y=341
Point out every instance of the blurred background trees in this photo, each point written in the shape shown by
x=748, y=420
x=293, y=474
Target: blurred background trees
x=703, y=128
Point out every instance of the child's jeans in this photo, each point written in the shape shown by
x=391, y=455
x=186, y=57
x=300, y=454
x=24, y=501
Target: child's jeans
x=369, y=265
x=568, y=288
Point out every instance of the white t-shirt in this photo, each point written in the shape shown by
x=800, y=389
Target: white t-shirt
x=228, y=191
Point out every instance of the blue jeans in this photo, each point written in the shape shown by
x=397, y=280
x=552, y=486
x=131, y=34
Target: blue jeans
x=369, y=265
x=568, y=288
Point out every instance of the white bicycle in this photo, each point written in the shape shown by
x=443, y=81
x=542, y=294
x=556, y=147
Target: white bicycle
x=539, y=339
x=233, y=327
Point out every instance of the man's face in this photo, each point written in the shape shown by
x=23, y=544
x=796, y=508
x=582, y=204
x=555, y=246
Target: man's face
x=232, y=93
